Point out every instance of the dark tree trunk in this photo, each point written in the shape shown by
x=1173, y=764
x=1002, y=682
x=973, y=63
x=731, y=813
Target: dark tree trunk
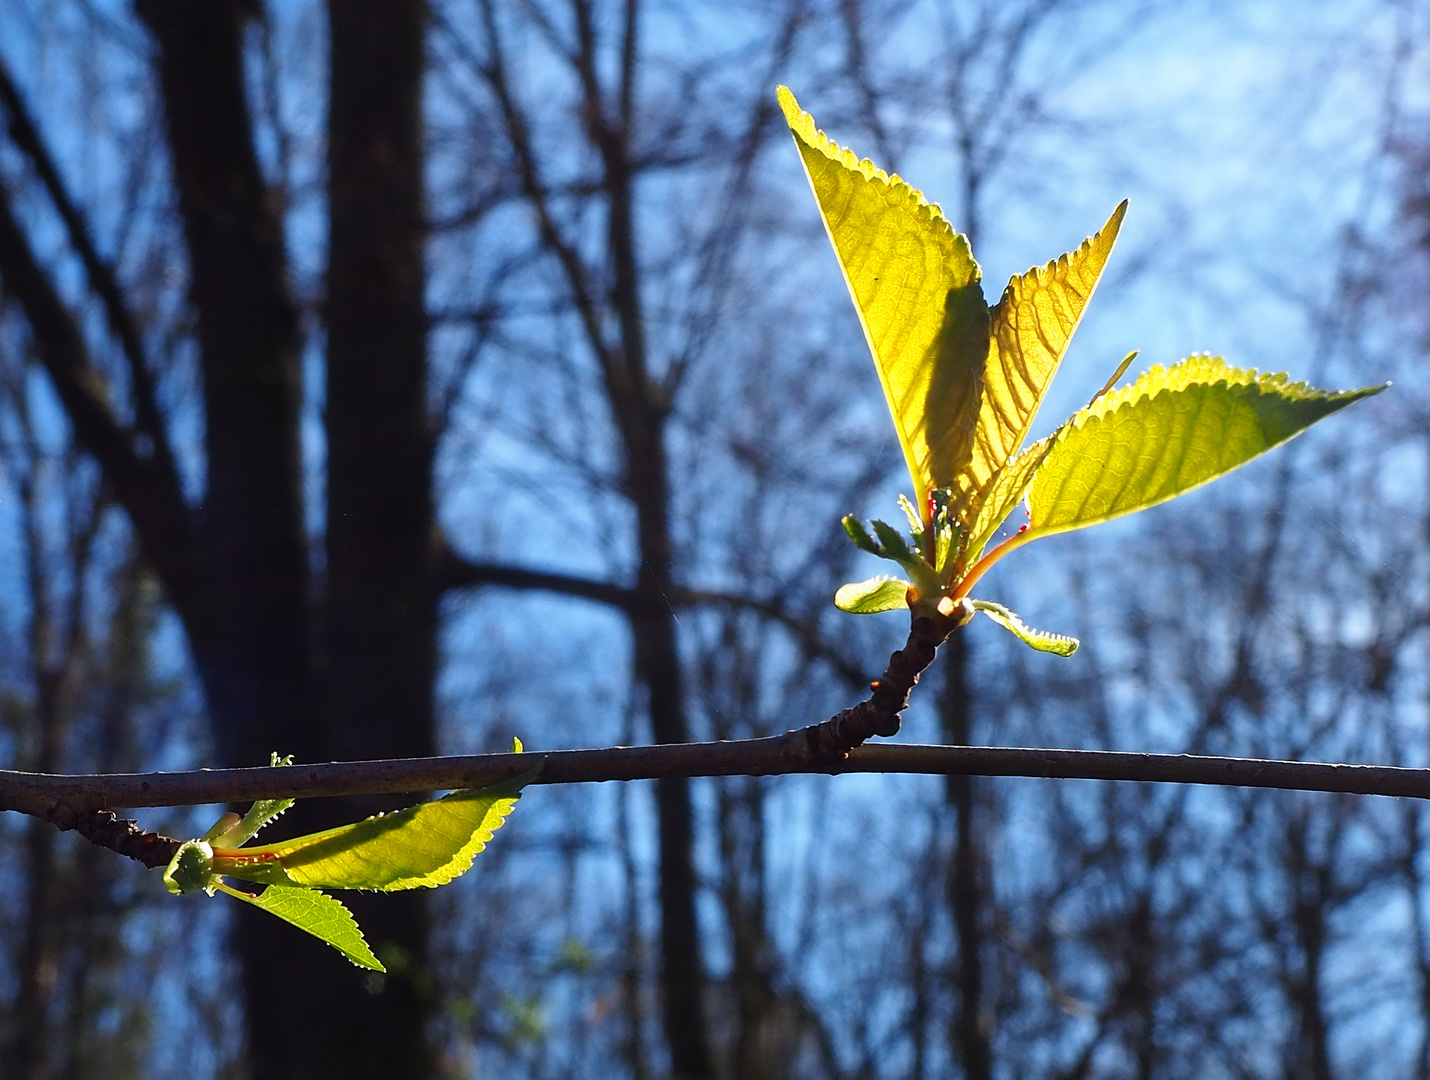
x=657, y=663
x=965, y=886
x=381, y=603
x=237, y=567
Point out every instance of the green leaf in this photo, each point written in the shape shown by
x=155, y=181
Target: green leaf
x=259, y=814
x=424, y=845
x=321, y=915
x=1032, y=326
x=860, y=535
x=911, y=515
x=191, y=868
x=1170, y=431
x=894, y=545
x=1007, y=489
x=1041, y=640
x=919, y=297
x=872, y=596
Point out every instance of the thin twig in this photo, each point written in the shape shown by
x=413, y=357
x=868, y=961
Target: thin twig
x=62, y=798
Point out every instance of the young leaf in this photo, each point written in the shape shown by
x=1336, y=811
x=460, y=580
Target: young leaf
x=424, y=845
x=191, y=868
x=319, y=914
x=872, y=596
x=1170, y=431
x=259, y=814
x=1033, y=324
x=1041, y=640
x=860, y=535
x=895, y=546
x=1007, y=489
x=918, y=294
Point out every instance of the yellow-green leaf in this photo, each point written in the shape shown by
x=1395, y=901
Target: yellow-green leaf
x=1170, y=431
x=319, y=914
x=919, y=297
x=1058, y=644
x=1004, y=492
x=872, y=596
x=1032, y=325
x=424, y=845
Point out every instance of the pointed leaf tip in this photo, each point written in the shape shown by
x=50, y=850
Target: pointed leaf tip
x=321, y=915
x=1170, y=431
x=425, y=845
x=1032, y=326
x=918, y=294
x=872, y=596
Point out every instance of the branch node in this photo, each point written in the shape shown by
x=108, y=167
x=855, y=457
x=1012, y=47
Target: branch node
x=888, y=695
x=105, y=829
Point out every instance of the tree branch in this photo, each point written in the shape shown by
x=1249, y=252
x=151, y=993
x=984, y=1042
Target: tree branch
x=84, y=803
x=456, y=572
x=63, y=800
x=150, y=496
x=101, y=276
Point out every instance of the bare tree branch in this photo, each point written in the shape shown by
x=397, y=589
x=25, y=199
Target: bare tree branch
x=150, y=496
x=64, y=799
x=456, y=572
x=102, y=279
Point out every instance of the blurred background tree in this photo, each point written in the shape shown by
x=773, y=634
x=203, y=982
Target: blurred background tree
x=387, y=378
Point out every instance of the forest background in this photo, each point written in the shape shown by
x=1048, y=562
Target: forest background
x=392, y=378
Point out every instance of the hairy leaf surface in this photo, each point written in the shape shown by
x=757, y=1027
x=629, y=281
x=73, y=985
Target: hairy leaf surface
x=919, y=297
x=1041, y=640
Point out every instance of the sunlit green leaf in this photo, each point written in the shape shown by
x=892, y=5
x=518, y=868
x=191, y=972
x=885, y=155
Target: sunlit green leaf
x=1033, y=324
x=860, y=535
x=894, y=545
x=259, y=814
x=872, y=596
x=424, y=845
x=918, y=294
x=1168, y=432
x=319, y=914
x=191, y=868
x=1041, y=640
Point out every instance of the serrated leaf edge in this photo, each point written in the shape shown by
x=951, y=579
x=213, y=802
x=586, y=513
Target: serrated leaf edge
x=1041, y=640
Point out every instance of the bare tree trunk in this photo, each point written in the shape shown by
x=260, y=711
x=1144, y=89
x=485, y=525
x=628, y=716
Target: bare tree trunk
x=381, y=617
x=252, y=639
x=966, y=892
x=657, y=664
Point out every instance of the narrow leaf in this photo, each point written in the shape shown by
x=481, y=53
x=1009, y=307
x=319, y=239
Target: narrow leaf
x=1032, y=325
x=1041, y=640
x=872, y=596
x=261, y=813
x=860, y=535
x=895, y=546
x=1111, y=383
x=1007, y=489
x=919, y=297
x=1170, y=431
x=424, y=845
x=321, y=915
x=911, y=514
